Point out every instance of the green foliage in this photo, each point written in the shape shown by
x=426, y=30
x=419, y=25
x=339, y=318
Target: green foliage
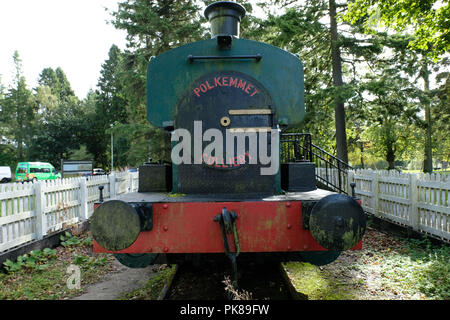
x=42, y=274
x=80, y=259
x=383, y=269
x=18, y=112
x=382, y=76
x=89, y=262
x=428, y=19
x=109, y=107
x=153, y=287
x=424, y=268
x=42, y=125
x=433, y=276
x=153, y=27
x=68, y=240
x=36, y=260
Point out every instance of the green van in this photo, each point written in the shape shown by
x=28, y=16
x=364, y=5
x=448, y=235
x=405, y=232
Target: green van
x=32, y=171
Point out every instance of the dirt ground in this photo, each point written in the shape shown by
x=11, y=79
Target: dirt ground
x=115, y=284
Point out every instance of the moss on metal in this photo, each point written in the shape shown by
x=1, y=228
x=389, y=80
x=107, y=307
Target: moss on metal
x=115, y=225
x=337, y=222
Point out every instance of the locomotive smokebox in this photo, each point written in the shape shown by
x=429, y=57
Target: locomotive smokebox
x=337, y=222
x=225, y=18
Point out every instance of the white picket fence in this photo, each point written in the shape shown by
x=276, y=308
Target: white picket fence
x=420, y=201
x=31, y=211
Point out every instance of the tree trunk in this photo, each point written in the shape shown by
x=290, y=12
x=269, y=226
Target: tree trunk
x=428, y=160
x=390, y=157
x=339, y=114
x=361, y=147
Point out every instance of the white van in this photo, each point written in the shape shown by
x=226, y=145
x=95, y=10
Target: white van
x=5, y=174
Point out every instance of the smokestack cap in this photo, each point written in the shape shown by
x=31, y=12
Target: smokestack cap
x=225, y=17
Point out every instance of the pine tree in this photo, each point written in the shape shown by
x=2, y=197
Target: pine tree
x=19, y=111
x=153, y=27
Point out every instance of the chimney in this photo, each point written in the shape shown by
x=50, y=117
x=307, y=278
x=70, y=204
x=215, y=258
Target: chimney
x=225, y=18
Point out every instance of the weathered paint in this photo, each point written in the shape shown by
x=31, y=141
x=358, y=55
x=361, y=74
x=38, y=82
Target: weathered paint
x=189, y=228
x=208, y=99
x=170, y=74
x=115, y=224
x=337, y=222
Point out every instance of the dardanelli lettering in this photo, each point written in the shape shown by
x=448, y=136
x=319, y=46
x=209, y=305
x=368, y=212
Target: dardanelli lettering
x=226, y=81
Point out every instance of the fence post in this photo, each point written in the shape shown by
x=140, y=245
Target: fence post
x=112, y=185
x=350, y=179
x=414, y=216
x=41, y=225
x=83, y=200
x=375, y=193
x=130, y=181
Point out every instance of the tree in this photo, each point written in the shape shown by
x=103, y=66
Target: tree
x=339, y=113
x=392, y=101
x=441, y=113
x=153, y=27
x=93, y=136
x=7, y=152
x=331, y=55
x=57, y=81
x=60, y=121
x=18, y=111
x=110, y=107
x=427, y=18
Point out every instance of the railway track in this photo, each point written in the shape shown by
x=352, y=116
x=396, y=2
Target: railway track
x=211, y=281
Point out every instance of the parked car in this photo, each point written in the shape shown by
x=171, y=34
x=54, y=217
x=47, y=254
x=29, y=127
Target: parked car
x=98, y=171
x=5, y=174
x=32, y=171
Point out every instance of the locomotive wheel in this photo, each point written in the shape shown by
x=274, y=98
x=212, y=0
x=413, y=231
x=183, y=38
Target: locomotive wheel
x=136, y=260
x=320, y=258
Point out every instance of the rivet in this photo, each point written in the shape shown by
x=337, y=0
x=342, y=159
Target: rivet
x=288, y=204
x=150, y=249
x=305, y=246
x=289, y=226
x=165, y=228
x=166, y=249
x=165, y=206
x=289, y=248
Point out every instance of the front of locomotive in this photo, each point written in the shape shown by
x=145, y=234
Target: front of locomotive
x=224, y=102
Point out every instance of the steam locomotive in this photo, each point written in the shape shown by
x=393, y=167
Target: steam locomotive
x=224, y=102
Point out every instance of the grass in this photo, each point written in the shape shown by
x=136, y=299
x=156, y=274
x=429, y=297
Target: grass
x=153, y=287
x=424, y=269
x=386, y=268
x=42, y=274
x=317, y=283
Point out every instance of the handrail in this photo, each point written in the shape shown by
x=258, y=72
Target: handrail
x=320, y=157
x=333, y=157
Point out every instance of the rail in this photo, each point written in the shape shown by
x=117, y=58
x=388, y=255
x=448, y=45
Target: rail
x=330, y=171
x=417, y=201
